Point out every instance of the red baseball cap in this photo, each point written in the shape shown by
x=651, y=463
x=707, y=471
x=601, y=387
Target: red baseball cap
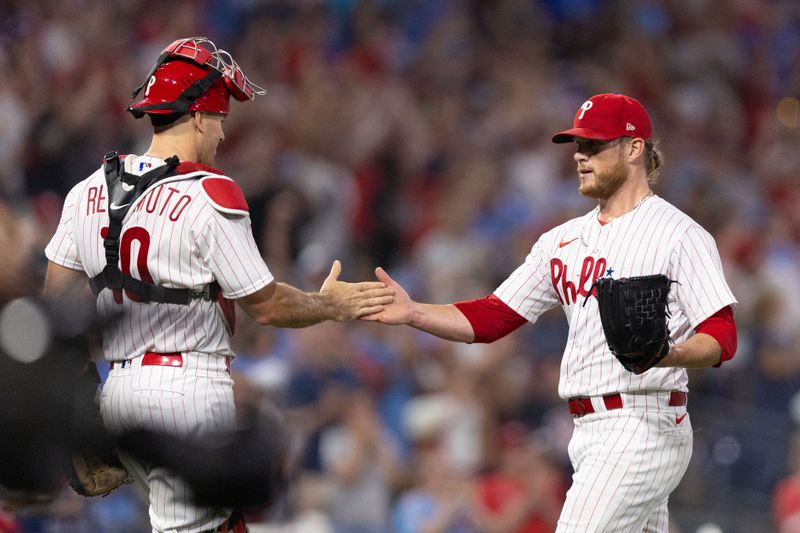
x=607, y=116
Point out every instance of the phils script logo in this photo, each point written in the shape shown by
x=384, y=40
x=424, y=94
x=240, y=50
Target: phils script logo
x=568, y=291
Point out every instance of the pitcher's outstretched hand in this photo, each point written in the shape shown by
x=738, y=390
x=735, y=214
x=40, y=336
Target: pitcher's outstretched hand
x=354, y=300
x=401, y=310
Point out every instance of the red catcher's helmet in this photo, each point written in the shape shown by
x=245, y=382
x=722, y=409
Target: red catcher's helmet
x=192, y=75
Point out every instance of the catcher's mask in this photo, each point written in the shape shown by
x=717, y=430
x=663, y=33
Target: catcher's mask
x=192, y=74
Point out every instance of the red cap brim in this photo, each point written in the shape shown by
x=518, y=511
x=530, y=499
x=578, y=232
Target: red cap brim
x=567, y=136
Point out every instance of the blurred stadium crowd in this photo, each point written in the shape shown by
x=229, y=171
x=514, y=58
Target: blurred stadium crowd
x=415, y=135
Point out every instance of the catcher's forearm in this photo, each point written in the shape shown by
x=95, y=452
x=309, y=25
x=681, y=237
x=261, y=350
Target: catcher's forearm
x=698, y=351
x=290, y=307
x=282, y=305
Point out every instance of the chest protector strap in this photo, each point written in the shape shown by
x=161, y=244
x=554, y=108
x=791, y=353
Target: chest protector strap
x=123, y=190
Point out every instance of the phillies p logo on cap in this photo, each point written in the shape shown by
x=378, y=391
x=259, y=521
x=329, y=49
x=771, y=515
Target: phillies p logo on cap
x=587, y=105
x=607, y=116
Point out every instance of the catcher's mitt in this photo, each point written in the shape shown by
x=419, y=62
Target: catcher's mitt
x=634, y=315
x=91, y=474
x=91, y=465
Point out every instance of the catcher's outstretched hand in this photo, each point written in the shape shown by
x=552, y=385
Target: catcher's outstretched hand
x=401, y=310
x=353, y=300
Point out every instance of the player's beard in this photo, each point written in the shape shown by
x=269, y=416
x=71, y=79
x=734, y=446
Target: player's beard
x=607, y=183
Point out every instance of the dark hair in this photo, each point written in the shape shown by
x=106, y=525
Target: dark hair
x=161, y=121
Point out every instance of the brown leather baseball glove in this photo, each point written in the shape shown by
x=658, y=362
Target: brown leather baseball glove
x=91, y=474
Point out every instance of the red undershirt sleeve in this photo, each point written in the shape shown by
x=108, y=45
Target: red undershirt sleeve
x=490, y=317
x=722, y=327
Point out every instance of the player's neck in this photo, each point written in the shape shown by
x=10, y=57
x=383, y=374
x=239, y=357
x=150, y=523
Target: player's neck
x=626, y=199
x=168, y=143
x=163, y=152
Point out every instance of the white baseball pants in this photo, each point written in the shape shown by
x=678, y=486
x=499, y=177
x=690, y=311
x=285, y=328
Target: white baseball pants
x=187, y=401
x=627, y=461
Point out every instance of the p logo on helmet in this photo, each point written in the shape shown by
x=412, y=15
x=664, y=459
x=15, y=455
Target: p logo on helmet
x=149, y=84
x=192, y=74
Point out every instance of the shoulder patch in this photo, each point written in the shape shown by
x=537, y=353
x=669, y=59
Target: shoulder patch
x=225, y=195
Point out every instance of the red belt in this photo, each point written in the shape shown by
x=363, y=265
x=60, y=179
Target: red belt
x=154, y=359
x=162, y=359
x=583, y=406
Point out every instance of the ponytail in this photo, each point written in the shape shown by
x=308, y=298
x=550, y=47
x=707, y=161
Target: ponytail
x=654, y=160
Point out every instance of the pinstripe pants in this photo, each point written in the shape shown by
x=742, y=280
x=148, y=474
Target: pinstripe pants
x=186, y=401
x=627, y=462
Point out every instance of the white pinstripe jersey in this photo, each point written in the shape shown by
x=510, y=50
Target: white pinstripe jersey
x=173, y=235
x=654, y=238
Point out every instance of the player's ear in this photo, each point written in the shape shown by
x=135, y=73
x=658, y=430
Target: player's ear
x=198, y=121
x=635, y=148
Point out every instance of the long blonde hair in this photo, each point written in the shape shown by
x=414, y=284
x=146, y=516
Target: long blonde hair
x=654, y=160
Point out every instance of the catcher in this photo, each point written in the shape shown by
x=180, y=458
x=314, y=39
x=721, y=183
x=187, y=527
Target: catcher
x=165, y=240
x=623, y=373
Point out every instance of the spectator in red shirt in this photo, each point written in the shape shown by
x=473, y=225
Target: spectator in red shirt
x=525, y=493
x=786, y=499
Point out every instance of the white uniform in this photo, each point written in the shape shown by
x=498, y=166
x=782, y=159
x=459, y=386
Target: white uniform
x=184, y=232
x=627, y=461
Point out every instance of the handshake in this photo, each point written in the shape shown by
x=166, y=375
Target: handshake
x=383, y=300
x=387, y=302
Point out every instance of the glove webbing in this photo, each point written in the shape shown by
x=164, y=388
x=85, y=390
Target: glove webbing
x=643, y=310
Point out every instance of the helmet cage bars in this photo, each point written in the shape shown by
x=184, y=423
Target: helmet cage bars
x=204, y=53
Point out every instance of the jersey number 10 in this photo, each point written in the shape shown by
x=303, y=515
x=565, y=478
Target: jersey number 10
x=140, y=235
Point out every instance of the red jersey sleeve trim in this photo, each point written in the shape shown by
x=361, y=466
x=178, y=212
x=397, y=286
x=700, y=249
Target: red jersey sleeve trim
x=722, y=327
x=490, y=317
x=187, y=167
x=225, y=195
